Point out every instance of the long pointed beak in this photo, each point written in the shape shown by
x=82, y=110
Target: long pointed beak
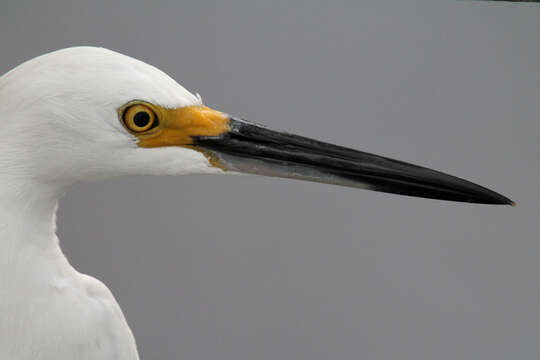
x=251, y=148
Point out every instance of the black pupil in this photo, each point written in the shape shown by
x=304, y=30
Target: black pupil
x=141, y=119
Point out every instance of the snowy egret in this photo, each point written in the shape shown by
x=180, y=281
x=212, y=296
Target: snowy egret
x=89, y=113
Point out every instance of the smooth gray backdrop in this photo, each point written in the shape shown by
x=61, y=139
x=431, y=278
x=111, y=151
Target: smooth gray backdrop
x=216, y=267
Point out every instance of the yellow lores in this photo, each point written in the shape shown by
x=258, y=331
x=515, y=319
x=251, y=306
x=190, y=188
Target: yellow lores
x=156, y=126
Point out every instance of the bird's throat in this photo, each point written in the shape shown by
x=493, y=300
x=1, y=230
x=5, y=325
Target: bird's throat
x=28, y=242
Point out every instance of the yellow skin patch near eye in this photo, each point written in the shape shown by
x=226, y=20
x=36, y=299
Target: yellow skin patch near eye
x=177, y=127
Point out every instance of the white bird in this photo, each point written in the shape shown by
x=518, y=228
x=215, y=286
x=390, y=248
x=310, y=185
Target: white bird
x=85, y=114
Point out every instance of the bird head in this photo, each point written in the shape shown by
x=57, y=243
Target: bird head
x=89, y=113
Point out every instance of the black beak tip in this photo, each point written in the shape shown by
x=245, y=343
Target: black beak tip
x=511, y=203
x=497, y=199
x=505, y=202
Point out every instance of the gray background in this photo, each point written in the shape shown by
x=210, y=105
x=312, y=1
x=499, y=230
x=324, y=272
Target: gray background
x=209, y=267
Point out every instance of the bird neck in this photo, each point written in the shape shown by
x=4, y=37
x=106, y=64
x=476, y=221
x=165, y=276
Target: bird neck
x=27, y=222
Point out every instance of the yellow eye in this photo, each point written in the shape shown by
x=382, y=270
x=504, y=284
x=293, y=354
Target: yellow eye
x=139, y=118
